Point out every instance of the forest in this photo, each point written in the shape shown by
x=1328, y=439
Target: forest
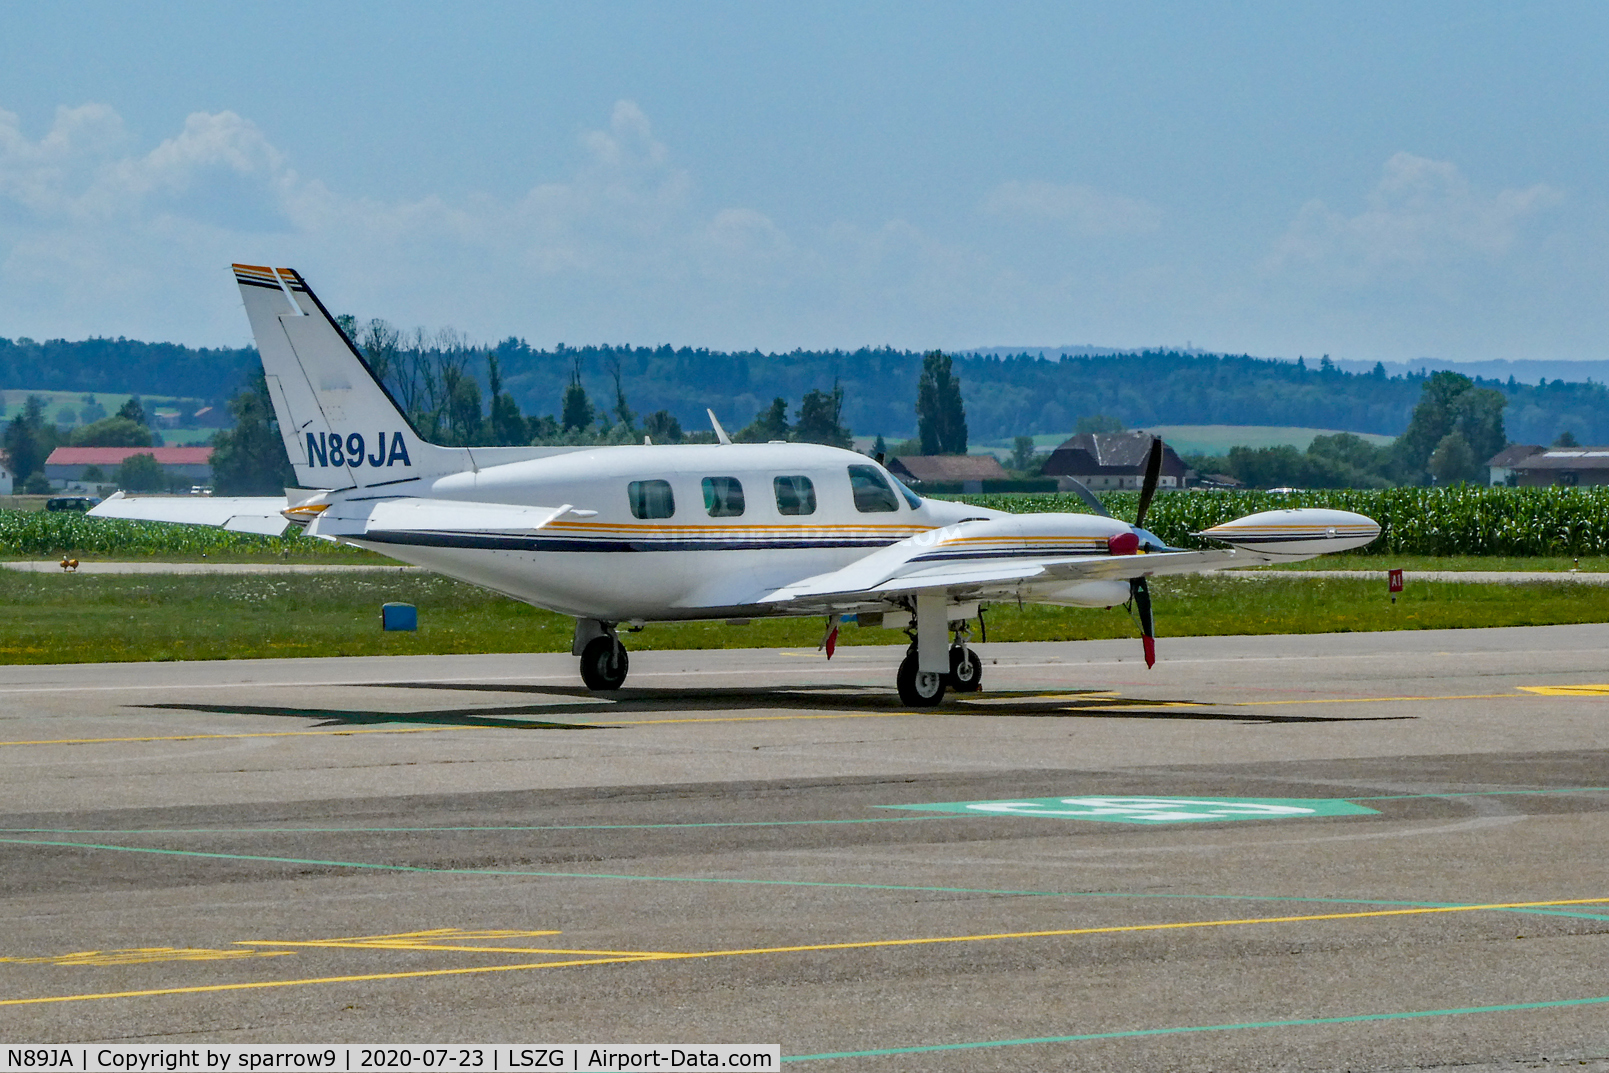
x=1005, y=396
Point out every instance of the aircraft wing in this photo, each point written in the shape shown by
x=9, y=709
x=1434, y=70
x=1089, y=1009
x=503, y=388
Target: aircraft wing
x=397, y=517
x=242, y=514
x=986, y=578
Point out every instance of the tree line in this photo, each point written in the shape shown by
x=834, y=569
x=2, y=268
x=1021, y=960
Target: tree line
x=1454, y=428
x=1006, y=395
x=427, y=378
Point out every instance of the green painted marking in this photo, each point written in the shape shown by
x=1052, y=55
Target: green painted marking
x=1272, y=899
x=444, y=830
x=1138, y=1033
x=679, y=826
x=1153, y=810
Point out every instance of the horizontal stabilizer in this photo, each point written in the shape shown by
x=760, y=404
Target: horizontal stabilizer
x=242, y=514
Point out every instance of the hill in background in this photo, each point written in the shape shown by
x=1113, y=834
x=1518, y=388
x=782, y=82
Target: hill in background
x=1006, y=395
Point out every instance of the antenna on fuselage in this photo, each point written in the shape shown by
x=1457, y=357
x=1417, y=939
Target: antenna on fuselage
x=720, y=433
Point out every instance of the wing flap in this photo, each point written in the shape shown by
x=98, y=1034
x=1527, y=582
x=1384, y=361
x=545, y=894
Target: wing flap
x=448, y=516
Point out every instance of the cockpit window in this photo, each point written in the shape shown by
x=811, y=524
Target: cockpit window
x=872, y=493
x=723, y=497
x=795, y=495
x=651, y=499
x=910, y=497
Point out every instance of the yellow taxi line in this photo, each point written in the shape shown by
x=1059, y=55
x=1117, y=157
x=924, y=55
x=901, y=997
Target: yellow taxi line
x=868, y=944
x=1372, y=700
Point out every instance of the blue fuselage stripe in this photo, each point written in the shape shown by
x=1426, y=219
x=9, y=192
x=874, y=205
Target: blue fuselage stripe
x=510, y=542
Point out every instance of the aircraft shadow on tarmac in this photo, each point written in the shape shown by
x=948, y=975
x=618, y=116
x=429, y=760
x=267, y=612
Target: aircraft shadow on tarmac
x=620, y=709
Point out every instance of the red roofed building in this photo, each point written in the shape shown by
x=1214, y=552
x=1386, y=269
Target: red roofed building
x=66, y=465
x=970, y=471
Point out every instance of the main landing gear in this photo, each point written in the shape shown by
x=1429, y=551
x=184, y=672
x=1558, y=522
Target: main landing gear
x=603, y=658
x=928, y=669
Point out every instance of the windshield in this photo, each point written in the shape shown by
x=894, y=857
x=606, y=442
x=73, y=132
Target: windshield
x=910, y=497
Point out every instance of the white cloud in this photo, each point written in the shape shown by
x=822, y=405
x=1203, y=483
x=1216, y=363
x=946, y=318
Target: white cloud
x=1424, y=221
x=99, y=237
x=1081, y=210
x=102, y=235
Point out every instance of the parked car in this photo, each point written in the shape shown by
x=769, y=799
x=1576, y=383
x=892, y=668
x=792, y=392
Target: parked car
x=71, y=502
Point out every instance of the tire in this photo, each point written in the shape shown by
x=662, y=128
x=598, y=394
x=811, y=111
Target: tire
x=916, y=688
x=604, y=663
x=966, y=670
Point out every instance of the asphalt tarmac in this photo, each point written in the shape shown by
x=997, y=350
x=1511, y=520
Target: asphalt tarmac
x=1333, y=852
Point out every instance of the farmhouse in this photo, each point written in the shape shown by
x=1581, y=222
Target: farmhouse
x=969, y=470
x=1500, y=467
x=66, y=465
x=1105, y=461
x=1569, y=466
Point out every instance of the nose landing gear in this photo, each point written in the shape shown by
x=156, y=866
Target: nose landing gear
x=966, y=669
x=603, y=658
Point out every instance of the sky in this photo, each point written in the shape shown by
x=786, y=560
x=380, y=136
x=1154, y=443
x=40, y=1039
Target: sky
x=1373, y=181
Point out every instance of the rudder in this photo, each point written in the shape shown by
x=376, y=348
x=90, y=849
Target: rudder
x=341, y=427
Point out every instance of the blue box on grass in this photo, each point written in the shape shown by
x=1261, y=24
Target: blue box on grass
x=399, y=616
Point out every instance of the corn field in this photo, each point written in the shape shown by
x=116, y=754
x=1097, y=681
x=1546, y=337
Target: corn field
x=1468, y=520
x=25, y=533
x=1465, y=520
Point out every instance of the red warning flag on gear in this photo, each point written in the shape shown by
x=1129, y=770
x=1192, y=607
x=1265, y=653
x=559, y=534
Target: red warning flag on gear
x=1394, y=580
x=829, y=640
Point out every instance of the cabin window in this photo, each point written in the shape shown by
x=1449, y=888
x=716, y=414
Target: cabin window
x=795, y=495
x=723, y=497
x=651, y=499
x=872, y=493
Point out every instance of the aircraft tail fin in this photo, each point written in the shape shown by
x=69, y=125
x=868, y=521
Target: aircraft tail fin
x=342, y=428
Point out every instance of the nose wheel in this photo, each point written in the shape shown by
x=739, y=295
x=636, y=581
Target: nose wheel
x=604, y=663
x=966, y=670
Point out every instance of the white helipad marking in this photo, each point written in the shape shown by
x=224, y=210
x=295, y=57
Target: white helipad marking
x=1153, y=810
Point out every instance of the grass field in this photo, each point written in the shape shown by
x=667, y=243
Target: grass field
x=64, y=409
x=111, y=618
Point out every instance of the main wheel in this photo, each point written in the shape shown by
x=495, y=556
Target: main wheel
x=604, y=663
x=918, y=688
x=966, y=670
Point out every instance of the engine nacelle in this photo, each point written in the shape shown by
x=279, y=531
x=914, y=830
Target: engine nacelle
x=1087, y=594
x=1299, y=531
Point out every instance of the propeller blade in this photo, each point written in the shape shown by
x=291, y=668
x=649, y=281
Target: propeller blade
x=1088, y=497
x=1141, y=593
x=1153, y=473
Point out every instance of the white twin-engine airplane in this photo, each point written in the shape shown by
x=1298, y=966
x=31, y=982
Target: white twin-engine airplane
x=662, y=533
